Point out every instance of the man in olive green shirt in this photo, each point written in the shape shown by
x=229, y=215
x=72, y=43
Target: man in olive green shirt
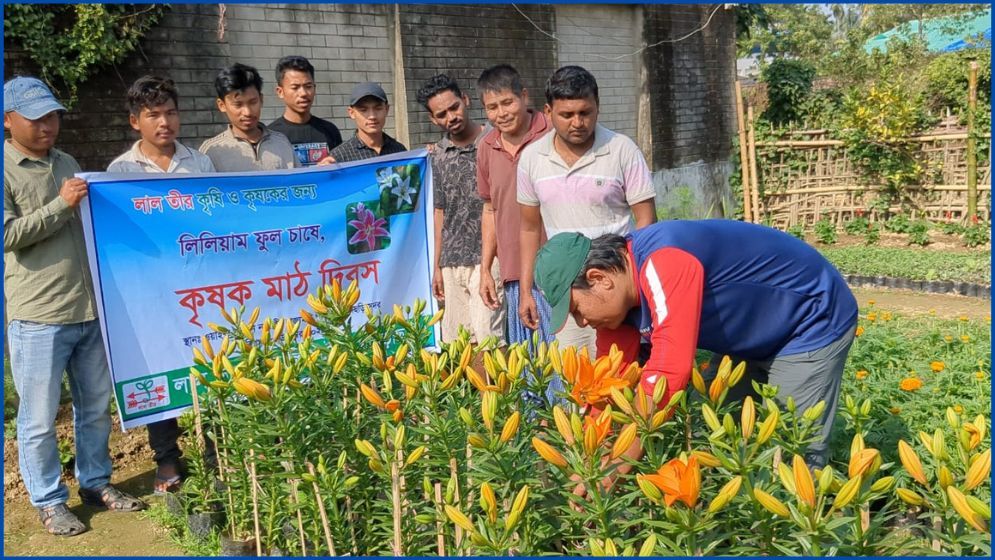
x=52, y=312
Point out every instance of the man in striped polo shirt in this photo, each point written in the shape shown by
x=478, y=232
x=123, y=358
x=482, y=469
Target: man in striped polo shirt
x=583, y=178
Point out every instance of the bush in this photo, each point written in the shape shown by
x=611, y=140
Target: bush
x=875, y=126
x=872, y=234
x=946, y=83
x=789, y=83
x=976, y=234
x=919, y=233
x=856, y=226
x=825, y=231
x=899, y=223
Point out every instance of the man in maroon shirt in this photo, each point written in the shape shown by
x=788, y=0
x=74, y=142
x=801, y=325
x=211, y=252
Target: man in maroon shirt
x=506, y=104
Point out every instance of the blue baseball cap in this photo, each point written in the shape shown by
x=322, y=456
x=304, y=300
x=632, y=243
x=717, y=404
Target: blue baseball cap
x=29, y=97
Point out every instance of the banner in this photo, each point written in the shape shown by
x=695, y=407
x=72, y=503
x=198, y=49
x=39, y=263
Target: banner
x=168, y=251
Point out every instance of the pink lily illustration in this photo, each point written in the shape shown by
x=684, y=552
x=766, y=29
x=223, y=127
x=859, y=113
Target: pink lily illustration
x=368, y=227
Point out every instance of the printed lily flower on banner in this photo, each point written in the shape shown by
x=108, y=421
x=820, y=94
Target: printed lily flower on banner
x=400, y=186
x=403, y=191
x=387, y=177
x=369, y=228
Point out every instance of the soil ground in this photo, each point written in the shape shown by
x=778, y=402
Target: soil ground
x=110, y=533
x=115, y=534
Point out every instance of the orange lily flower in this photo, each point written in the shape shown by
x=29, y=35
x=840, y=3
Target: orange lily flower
x=591, y=383
x=679, y=480
x=595, y=431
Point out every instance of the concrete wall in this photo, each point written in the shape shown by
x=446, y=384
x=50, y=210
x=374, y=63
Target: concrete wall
x=605, y=41
x=462, y=41
x=346, y=43
x=692, y=105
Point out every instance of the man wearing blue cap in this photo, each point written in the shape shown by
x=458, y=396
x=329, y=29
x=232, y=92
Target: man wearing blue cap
x=737, y=289
x=50, y=304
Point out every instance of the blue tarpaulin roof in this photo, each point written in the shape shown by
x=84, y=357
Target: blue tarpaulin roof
x=944, y=34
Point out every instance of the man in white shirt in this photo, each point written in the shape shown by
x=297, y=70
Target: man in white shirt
x=582, y=178
x=154, y=114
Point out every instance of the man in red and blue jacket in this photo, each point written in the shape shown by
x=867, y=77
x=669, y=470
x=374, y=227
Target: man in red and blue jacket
x=733, y=288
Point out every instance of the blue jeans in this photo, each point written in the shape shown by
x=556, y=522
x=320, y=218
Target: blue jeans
x=39, y=353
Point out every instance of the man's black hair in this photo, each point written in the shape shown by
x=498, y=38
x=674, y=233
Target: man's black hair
x=237, y=77
x=607, y=253
x=571, y=82
x=436, y=85
x=293, y=62
x=499, y=78
x=151, y=91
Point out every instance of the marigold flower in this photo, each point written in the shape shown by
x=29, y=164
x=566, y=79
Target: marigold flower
x=963, y=318
x=872, y=316
x=859, y=331
x=958, y=409
x=965, y=338
x=870, y=302
x=861, y=374
x=910, y=384
x=937, y=366
x=948, y=339
x=979, y=375
x=679, y=480
x=895, y=410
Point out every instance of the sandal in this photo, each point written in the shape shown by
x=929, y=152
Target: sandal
x=111, y=498
x=59, y=521
x=166, y=484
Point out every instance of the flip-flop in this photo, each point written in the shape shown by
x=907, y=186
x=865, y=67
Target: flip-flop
x=163, y=486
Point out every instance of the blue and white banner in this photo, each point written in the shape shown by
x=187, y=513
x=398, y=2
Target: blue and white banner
x=169, y=251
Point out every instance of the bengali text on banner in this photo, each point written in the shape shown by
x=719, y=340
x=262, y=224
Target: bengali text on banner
x=167, y=252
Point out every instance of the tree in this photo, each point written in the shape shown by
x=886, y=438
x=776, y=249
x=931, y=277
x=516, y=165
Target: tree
x=69, y=43
x=791, y=30
x=878, y=18
x=846, y=17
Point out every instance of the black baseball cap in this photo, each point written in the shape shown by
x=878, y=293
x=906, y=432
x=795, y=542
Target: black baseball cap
x=367, y=89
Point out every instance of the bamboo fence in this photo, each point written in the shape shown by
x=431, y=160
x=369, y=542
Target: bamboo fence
x=811, y=176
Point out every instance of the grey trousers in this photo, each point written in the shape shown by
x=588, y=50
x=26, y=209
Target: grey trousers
x=809, y=377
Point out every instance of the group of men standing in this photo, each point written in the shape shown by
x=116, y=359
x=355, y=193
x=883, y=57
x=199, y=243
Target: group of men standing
x=496, y=199
x=50, y=298
x=502, y=188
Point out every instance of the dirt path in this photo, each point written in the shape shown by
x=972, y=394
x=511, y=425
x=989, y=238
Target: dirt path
x=909, y=302
x=110, y=534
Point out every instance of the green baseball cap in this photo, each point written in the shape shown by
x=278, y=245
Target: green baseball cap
x=557, y=265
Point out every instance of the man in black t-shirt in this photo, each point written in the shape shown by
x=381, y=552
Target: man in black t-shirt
x=313, y=138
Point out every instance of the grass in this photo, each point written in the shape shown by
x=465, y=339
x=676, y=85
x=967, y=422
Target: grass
x=180, y=533
x=912, y=263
